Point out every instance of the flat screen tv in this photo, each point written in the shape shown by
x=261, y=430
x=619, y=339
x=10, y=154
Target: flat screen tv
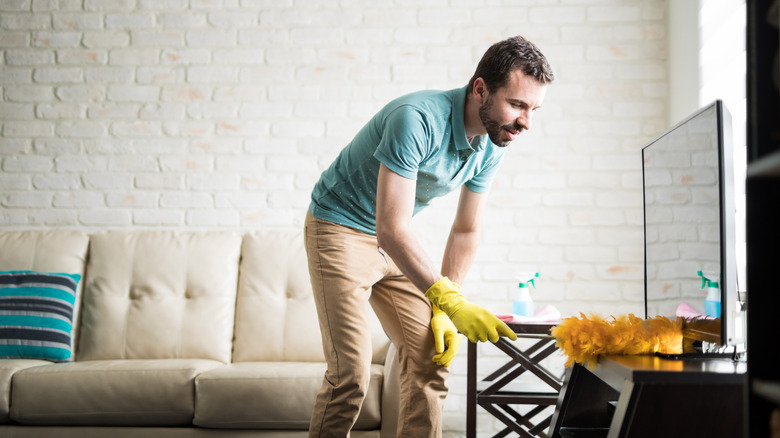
x=689, y=227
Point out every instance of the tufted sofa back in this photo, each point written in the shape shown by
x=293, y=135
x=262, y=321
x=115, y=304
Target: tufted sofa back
x=159, y=295
x=276, y=319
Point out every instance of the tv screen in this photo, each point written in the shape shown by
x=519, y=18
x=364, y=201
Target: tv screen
x=689, y=218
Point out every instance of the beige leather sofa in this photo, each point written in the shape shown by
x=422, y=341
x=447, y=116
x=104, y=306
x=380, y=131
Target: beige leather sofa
x=180, y=334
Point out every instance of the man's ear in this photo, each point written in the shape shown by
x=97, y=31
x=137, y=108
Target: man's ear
x=479, y=91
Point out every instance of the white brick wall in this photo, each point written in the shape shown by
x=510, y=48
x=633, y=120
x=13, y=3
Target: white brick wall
x=222, y=113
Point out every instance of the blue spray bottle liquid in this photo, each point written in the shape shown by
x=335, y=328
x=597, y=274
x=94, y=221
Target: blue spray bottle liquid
x=524, y=305
x=712, y=302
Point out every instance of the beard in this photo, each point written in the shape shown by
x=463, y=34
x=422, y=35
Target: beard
x=494, y=129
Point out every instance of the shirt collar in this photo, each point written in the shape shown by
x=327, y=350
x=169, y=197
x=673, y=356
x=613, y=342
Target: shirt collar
x=458, y=126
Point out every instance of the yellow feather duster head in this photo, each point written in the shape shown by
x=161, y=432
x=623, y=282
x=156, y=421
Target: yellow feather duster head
x=583, y=339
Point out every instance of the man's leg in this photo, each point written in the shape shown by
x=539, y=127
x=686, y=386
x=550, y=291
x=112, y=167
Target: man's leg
x=405, y=314
x=343, y=264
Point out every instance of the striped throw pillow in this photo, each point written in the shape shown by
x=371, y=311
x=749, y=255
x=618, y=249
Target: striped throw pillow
x=36, y=315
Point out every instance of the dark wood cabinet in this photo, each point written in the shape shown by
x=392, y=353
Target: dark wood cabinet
x=763, y=215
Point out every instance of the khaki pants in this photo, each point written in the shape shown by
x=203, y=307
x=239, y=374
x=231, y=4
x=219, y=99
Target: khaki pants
x=347, y=268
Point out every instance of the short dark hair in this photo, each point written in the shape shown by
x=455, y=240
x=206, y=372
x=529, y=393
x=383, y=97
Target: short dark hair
x=505, y=56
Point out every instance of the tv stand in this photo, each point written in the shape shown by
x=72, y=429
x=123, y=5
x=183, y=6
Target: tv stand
x=649, y=396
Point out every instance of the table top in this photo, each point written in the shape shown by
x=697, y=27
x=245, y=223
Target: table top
x=614, y=369
x=532, y=328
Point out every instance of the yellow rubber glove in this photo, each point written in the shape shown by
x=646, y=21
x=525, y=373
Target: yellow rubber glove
x=475, y=322
x=446, y=337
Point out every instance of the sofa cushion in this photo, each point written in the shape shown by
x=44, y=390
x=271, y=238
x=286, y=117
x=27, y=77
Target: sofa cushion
x=271, y=395
x=47, y=251
x=36, y=314
x=274, y=282
x=159, y=295
x=109, y=393
x=9, y=367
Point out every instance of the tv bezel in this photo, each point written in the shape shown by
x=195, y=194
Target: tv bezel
x=731, y=321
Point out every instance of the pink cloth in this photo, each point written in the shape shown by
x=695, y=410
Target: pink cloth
x=687, y=311
x=544, y=314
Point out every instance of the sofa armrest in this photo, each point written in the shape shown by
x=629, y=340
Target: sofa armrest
x=391, y=389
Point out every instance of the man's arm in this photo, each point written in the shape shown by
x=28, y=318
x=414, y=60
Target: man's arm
x=464, y=236
x=394, y=208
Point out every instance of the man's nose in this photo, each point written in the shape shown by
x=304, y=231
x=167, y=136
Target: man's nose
x=524, y=119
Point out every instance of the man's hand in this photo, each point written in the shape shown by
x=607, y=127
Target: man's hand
x=446, y=337
x=475, y=322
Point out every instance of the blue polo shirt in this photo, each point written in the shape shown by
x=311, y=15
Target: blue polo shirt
x=420, y=136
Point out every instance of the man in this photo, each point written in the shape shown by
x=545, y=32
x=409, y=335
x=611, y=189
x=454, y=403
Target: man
x=359, y=245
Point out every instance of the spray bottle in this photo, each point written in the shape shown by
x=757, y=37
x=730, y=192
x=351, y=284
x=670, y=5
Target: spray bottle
x=712, y=302
x=523, y=305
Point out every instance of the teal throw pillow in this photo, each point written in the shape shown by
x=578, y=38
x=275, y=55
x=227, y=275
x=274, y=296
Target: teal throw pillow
x=36, y=315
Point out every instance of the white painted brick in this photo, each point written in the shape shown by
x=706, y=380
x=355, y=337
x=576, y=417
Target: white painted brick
x=26, y=199
x=134, y=57
x=110, y=181
x=129, y=21
x=55, y=75
x=211, y=38
x=212, y=74
x=613, y=13
x=77, y=21
x=140, y=128
x=53, y=218
x=213, y=218
x=29, y=57
x=239, y=56
x=131, y=200
x=28, y=129
x=27, y=163
x=186, y=164
x=214, y=182
x=79, y=199
x=113, y=111
x=56, y=39
x=81, y=93
x=240, y=164
x=166, y=38
x=163, y=111
x=56, y=182
x=17, y=111
x=11, y=217
x=109, y=5
x=232, y=19
x=184, y=19
x=10, y=76
x=56, y=147
x=106, y=39
x=15, y=5
x=133, y=93
x=185, y=93
x=14, y=39
x=82, y=57
x=159, y=75
x=186, y=200
x=163, y=4
x=15, y=181
x=157, y=217
x=25, y=21
x=160, y=181
x=246, y=128
x=111, y=217
x=81, y=129
x=188, y=128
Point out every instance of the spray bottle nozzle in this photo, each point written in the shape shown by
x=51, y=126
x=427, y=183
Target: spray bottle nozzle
x=528, y=278
x=705, y=281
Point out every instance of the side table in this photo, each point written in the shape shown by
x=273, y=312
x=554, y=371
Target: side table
x=496, y=393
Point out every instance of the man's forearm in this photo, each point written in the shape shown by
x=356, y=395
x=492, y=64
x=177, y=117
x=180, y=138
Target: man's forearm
x=459, y=254
x=409, y=256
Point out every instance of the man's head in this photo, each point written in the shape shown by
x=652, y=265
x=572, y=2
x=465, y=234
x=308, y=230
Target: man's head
x=509, y=85
x=505, y=56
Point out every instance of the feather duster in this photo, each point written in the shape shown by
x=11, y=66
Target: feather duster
x=583, y=339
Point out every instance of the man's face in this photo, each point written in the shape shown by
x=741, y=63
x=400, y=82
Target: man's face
x=508, y=111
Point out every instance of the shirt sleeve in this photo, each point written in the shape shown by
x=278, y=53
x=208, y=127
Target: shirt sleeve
x=403, y=146
x=481, y=182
